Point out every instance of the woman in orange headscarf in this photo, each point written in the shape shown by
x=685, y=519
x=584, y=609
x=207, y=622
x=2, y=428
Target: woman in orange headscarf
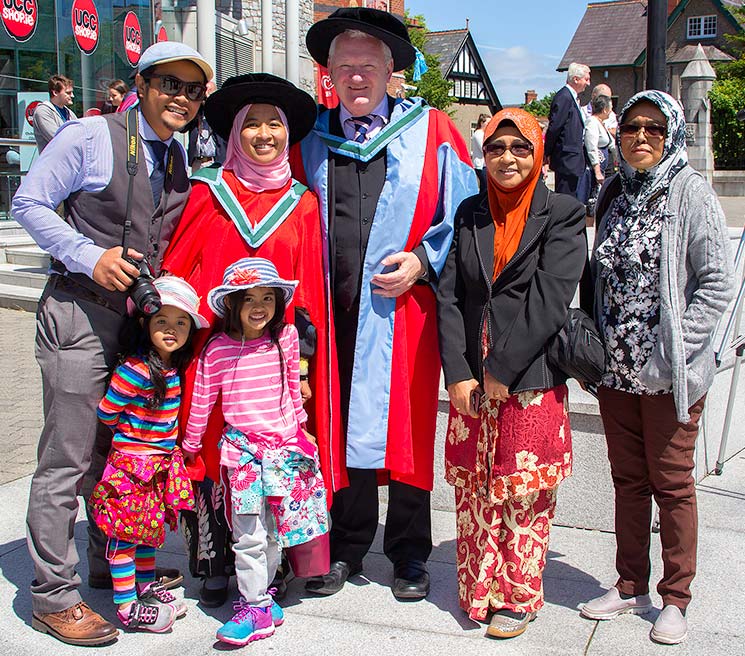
x=514, y=265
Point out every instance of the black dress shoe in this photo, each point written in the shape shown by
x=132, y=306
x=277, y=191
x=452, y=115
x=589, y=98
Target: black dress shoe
x=213, y=597
x=332, y=582
x=410, y=580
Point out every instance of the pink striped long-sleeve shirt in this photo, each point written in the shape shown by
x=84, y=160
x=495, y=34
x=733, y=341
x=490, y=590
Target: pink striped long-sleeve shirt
x=253, y=398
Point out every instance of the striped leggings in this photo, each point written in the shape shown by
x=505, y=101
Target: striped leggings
x=132, y=567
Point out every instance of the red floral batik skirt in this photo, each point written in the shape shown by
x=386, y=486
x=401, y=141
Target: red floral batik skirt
x=505, y=466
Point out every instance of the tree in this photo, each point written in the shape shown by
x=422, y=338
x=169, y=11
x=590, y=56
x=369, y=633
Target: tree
x=433, y=87
x=540, y=106
x=727, y=98
x=734, y=69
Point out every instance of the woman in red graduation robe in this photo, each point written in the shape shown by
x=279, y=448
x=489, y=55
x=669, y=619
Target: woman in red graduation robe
x=251, y=206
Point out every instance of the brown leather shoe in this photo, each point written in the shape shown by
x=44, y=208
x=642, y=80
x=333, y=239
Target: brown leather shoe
x=77, y=625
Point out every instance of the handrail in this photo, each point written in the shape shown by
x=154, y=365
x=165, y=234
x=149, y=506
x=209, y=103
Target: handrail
x=4, y=141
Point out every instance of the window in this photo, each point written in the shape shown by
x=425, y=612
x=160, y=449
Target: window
x=702, y=27
x=376, y=4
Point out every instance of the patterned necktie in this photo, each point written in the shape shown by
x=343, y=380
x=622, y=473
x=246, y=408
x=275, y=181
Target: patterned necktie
x=158, y=176
x=361, y=126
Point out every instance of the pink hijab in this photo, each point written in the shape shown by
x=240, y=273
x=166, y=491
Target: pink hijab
x=255, y=176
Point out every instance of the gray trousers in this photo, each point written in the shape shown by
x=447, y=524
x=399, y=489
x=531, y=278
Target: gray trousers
x=77, y=342
x=257, y=554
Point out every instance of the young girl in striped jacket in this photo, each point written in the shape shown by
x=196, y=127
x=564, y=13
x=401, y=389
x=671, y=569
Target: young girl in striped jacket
x=269, y=461
x=145, y=485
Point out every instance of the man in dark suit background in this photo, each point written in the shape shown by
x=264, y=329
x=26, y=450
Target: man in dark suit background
x=565, y=153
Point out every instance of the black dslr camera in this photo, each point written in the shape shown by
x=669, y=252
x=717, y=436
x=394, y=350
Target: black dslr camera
x=142, y=291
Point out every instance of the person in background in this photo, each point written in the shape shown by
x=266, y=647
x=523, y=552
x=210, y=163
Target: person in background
x=662, y=277
x=477, y=155
x=564, y=143
x=611, y=123
x=205, y=146
x=83, y=308
x=51, y=114
x=600, y=147
x=116, y=90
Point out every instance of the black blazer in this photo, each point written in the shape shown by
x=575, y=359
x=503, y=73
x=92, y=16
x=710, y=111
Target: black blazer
x=565, y=143
x=525, y=306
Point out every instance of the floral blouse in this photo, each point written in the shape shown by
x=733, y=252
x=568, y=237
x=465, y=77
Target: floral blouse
x=630, y=259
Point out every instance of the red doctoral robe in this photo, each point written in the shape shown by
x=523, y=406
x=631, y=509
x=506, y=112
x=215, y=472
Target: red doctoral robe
x=206, y=242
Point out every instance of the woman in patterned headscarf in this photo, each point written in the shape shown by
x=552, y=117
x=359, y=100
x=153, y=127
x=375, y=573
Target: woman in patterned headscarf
x=663, y=278
x=516, y=258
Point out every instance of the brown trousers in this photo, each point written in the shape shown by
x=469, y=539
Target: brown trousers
x=651, y=453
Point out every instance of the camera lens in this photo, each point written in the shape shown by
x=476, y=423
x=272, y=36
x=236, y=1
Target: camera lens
x=145, y=296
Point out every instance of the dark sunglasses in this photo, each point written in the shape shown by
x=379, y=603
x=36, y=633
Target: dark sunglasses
x=172, y=86
x=497, y=149
x=651, y=130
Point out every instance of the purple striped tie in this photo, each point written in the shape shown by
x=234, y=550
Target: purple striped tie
x=361, y=126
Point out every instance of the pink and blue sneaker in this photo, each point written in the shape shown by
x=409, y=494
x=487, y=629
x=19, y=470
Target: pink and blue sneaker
x=248, y=624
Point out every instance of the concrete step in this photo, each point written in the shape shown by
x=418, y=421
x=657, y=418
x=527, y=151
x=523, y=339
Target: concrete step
x=23, y=276
x=19, y=298
x=11, y=228
x=32, y=256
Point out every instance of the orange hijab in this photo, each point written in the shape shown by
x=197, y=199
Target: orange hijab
x=509, y=207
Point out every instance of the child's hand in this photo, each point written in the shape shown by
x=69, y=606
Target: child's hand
x=189, y=457
x=305, y=392
x=310, y=437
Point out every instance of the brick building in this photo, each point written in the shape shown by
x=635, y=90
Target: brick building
x=612, y=39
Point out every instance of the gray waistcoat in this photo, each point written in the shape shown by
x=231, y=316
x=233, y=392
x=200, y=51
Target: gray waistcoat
x=101, y=215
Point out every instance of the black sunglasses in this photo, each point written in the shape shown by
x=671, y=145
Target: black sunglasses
x=497, y=149
x=652, y=130
x=173, y=86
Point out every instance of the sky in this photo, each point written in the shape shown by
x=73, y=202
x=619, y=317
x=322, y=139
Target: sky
x=520, y=41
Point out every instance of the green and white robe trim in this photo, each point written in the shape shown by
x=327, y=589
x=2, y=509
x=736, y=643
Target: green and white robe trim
x=409, y=112
x=259, y=233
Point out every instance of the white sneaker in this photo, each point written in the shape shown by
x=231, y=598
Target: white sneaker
x=671, y=626
x=611, y=605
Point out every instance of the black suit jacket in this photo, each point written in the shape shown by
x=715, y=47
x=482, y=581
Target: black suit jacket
x=525, y=306
x=565, y=143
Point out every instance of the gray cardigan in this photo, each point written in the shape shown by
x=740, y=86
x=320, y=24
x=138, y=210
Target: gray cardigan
x=696, y=284
x=47, y=121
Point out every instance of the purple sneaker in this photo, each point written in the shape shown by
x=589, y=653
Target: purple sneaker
x=156, y=593
x=248, y=624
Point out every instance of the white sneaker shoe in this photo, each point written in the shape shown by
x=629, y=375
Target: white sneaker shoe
x=611, y=605
x=671, y=626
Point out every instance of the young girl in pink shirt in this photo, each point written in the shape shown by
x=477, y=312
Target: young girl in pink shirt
x=269, y=462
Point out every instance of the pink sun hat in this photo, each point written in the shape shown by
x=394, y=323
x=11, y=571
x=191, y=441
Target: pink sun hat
x=179, y=293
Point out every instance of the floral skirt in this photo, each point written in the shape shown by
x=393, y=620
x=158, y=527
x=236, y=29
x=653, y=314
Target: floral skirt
x=138, y=495
x=501, y=551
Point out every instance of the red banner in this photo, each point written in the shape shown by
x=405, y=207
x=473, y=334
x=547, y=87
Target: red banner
x=85, y=25
x=326, y=92
x=20, y=18
x=132, y=38
x=162, y=35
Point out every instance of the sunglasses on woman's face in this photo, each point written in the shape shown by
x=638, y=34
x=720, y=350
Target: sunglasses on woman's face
x=652, y=130
x=173, y=86
x=497, y=149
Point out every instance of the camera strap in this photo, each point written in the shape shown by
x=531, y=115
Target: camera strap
x=133, y=161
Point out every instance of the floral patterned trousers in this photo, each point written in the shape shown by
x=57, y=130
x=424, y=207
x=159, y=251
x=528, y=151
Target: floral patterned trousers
x=501, y=551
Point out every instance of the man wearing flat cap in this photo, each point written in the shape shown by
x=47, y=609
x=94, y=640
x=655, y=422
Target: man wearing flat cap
x=389, y=174
x=87, y=167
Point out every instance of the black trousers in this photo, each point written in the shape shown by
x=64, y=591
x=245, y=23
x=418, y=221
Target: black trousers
x=354, y=520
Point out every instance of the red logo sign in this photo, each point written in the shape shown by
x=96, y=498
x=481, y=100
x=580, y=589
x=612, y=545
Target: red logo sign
x=162, y=35
x=30, y=111
x=132, y=38
x=19, y=18
x=85, y=25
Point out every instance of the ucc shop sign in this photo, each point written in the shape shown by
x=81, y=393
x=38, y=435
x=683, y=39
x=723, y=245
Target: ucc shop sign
x=85, y=27
x=20, y=18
